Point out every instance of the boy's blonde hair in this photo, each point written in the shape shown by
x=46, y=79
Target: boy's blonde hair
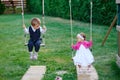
x=35, y=21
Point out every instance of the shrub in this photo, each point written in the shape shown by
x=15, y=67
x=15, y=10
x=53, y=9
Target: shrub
x=103, y=10
x=34, y=6
x=2, y=8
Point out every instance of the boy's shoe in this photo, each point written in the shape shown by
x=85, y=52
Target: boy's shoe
x=35, y=56
x=31, y=56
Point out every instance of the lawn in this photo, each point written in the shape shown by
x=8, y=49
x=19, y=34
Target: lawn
x=56, y=55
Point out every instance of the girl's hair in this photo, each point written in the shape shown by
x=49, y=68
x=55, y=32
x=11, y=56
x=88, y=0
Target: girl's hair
x=35, y=21
x=83, y=35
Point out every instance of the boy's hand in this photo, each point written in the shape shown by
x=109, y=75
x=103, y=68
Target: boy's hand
x=24, y=26
x=44, y=27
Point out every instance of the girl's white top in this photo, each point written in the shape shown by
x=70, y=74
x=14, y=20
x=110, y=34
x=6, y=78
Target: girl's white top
x=83, y=56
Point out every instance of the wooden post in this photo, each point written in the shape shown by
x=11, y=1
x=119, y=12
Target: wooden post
x=118, y=1
x=118, y=29
x=119, y=43
x=110, y=28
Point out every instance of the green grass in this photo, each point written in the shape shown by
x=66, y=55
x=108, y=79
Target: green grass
x=56, y=55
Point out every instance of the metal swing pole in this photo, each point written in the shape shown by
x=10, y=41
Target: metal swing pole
x=71, y=24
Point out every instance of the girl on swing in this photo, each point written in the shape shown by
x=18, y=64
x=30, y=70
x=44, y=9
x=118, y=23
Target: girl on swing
x=35, y=31
x=83, y=56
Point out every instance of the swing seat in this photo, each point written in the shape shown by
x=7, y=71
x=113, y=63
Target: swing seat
x=84, y=74
x=25, y=44
x=34, y=73
x=42, y=44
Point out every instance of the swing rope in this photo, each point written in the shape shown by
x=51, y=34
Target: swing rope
x=71, y=24
x=23, y=22
x=22, y=12
x=43, y=23
x=43, y=13
x=91, y=6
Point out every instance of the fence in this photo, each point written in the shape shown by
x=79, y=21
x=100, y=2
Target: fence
x=14, y=4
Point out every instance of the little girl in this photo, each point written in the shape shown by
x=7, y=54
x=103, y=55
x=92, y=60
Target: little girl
x=83, y=55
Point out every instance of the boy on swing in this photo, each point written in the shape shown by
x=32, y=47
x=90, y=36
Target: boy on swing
x=35, y=40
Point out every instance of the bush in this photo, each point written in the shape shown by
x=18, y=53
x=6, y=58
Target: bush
x=103, y=10
x=34, y=6
x=2, y=8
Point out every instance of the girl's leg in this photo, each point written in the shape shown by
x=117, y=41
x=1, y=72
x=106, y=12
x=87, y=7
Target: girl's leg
x=89, y=66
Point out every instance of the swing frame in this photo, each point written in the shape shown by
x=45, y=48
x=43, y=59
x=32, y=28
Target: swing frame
x=23, y=23
x=71, y=24
x=84, y=75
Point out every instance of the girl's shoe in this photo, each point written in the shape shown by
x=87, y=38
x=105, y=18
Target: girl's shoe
x=58, y=78
x=79, y=66
x=89, y=70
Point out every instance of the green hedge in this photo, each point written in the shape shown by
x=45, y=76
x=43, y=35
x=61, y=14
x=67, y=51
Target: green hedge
x=2, y=8
x=103, y=10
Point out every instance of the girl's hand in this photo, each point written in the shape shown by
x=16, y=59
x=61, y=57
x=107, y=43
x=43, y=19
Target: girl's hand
x=90, y=38
x=72, y=44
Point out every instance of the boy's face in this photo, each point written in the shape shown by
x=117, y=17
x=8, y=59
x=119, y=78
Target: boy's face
x=36, y=26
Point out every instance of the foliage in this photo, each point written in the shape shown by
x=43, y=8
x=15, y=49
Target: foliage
x=34, y=6
x=2, y=8
x=103, y=10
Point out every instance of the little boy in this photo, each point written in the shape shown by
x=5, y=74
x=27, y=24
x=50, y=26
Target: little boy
x=35, y=31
